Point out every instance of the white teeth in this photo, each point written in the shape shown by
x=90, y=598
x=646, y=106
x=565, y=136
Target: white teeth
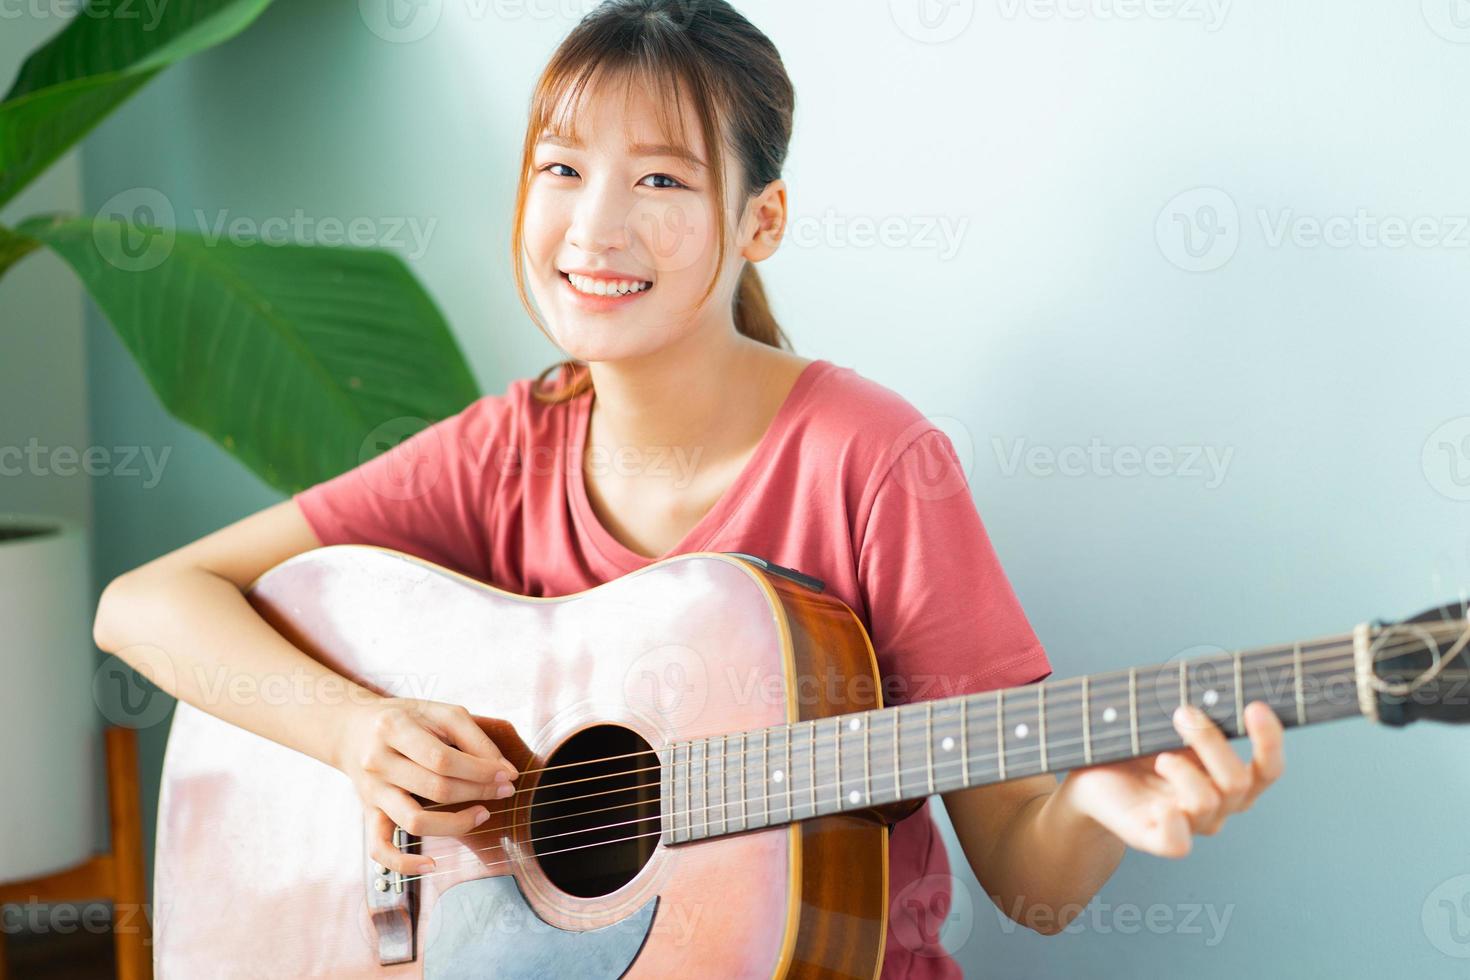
x=606, y=287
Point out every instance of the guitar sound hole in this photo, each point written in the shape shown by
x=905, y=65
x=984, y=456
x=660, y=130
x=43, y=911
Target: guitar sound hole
x=595, y=815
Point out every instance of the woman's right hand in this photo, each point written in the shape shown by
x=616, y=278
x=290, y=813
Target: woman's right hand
x=395, y=747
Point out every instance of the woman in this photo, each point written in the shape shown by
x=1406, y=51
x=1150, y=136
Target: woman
x=682, y=422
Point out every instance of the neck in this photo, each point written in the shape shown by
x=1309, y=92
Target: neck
x=746, y=780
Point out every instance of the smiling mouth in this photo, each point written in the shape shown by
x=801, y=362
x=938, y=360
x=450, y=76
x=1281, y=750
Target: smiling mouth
x=605, y=288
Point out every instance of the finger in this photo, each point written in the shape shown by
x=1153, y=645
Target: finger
x=436, y=755
x=1195, y=792
x=381, y=849
x=466, y=733
x=403, y=772
x=421, y=822
x=1268, y=760
x=1139, y=811
x=1231, y=775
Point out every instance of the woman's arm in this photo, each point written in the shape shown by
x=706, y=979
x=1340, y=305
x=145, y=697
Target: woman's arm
x=1041, y=850
x=182, y=620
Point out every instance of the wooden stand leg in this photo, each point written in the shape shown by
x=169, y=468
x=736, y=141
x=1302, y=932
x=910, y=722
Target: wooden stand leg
x=130, y=921
x=117, y=875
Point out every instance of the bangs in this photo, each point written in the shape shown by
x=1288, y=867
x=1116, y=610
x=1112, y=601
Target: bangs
x=561, y=102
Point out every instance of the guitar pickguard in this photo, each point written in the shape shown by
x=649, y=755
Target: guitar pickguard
x=485, y=928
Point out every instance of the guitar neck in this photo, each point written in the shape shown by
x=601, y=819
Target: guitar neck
x=767, y=776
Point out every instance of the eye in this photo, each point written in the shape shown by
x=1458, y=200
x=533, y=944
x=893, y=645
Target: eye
x=674, y=182
x=550, y=165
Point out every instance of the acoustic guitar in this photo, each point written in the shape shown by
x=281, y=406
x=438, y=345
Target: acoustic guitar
x=708, y=775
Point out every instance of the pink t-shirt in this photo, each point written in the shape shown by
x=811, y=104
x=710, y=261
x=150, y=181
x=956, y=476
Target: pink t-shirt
x=850, y=484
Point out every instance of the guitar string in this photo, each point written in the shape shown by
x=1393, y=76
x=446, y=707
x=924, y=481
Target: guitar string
x=1020, y=755
x=791, y=809
x=818, y=752
x=737, y=760
x=1057, y=696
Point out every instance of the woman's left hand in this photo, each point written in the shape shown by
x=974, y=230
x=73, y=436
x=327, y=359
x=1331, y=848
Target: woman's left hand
x=1156, y=803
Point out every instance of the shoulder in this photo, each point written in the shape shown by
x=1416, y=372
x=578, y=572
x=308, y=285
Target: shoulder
x=873, y=425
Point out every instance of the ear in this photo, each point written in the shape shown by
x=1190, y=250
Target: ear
x=765, y=219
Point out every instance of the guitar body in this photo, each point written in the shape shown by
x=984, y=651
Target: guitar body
x=261, y=856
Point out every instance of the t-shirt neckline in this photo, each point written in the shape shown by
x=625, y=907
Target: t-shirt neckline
x=710, y=524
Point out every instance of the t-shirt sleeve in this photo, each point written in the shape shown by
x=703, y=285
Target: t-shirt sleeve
x=943, y=617
x=424, y=496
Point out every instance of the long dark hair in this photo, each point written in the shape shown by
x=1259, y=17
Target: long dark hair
x=703, y=50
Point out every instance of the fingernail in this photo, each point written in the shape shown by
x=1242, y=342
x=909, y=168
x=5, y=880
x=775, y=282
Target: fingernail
x=481, y=816
x=510, y=769
x=502, y=776
x=1182, y=715
x=427, y=864
x=505, y=790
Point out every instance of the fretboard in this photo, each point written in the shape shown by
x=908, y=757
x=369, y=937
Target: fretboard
x=745, y=780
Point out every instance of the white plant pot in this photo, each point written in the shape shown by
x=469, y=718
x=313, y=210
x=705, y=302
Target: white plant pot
x=50, y=753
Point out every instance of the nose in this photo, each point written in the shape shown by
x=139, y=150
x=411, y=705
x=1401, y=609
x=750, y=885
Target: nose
x=600, y=218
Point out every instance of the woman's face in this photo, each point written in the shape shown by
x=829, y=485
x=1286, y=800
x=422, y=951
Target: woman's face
x=622, y=210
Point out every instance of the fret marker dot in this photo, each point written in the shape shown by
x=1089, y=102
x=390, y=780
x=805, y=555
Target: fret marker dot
x=947, y=744
x=1211, y=696
x=776, y=776
x=854, y=725
x=1021, y=730
x=1110, y=715
x=853, y=796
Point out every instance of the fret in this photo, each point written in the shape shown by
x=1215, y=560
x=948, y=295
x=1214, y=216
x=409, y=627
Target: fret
x=867, y=724
x=1239, y=695
x=1019, y=736
x=1063, y=723
x=720, y=783
x=1000, y=733
x=744, y=777
x=784, y=777
x=837, y=757
x=1041, y=722
x=1086, y=723
x=730, y=771
x=1133, y=706
x=897, y=715
x=1183, y=683
x=1272, y=679
x=929, y=744
x=1109, y=736
x=1296, y=684
x=798, y=780
x=945, y=746
x=1210, y=689
x=812, y=763
x=766, y=773
x=703, y=809
x=964, y=742
x=777, y=787
x=669, y=794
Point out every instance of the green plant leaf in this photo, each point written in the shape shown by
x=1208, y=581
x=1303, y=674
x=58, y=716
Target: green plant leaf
x=13, y=248
x=103, y=55
x=301, y=361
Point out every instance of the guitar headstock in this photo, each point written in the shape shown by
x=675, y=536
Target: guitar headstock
x=1421, y=666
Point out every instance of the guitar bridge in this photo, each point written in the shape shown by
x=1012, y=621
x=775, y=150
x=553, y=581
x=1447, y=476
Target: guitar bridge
x=391, y=900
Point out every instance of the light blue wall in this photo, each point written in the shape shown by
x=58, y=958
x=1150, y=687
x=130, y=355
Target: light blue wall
x=1059, y=138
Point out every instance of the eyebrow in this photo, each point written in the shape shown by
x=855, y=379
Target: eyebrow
x=638, y=149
